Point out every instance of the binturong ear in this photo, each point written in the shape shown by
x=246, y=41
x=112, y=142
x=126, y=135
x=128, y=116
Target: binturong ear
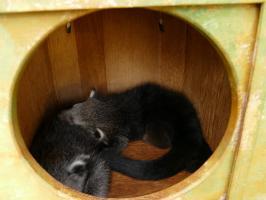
x=101, y=136
x=92, y=93
x=78, y=165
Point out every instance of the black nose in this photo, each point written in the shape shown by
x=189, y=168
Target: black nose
x=66, y=117
x=69, y=119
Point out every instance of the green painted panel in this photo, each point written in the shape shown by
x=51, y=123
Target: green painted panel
x=40, y=5
x=249, y=177
x=223, y=25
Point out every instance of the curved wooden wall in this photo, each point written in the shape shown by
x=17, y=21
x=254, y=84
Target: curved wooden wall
x=113, y=50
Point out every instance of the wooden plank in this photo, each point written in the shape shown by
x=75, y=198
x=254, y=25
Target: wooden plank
x=64, y=65
x=36, y=95
x=172, y=51
x=207, y=85
x=131, y=44
x=91, y=57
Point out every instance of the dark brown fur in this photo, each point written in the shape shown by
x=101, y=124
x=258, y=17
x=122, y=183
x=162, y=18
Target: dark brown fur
x=157, y=115
x=71, y=156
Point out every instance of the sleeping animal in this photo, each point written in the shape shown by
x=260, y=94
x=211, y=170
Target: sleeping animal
x=149, y=112
x=72, y=156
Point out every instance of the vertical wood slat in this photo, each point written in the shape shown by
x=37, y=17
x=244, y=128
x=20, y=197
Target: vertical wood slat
x=36, y=95
x=91, y=55
x=206, y=84
x=131, y=48
x=63, y=57
x=172, y=52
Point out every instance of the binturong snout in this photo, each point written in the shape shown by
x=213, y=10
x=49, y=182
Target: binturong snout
x=73, y=115
x=66, y=115
x=70, y=116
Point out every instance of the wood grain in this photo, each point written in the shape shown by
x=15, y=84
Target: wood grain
x=131, y=48
x=63, y=57
x=91, y=56
x=206, y=84
x=115, y=49
x=36, y=94
x=172, y=52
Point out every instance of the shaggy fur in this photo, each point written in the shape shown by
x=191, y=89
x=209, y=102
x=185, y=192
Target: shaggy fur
x=157, y=115
x=71, y=156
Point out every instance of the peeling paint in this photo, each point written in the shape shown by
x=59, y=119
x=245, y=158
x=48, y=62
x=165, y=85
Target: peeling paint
x=222, y=26
x=223, y=197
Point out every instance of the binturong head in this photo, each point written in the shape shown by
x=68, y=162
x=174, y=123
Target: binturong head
x=71, y=156
x=96, y=115
x=87, y=173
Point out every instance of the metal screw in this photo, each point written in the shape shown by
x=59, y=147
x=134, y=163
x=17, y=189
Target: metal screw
x=68, y=27
x=161, y=25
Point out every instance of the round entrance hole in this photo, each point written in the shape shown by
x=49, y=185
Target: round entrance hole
x=112, y=50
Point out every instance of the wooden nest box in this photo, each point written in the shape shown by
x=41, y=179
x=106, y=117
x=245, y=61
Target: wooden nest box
x=214, y=51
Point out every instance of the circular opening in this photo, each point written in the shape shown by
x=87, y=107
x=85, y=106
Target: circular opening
x=112, y=50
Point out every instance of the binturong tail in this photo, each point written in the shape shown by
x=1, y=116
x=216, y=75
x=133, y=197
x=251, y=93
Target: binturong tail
x=174, y=161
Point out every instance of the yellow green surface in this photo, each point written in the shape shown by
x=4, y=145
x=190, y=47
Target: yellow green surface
x=30, y=5
x=238, y=167
x=249, y=172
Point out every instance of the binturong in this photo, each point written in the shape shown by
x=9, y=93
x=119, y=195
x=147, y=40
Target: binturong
x=149, y=112
x=72, y=156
